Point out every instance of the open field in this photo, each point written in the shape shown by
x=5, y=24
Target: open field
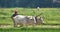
x=41, y=28
x=51, y=20
x=29, y=30
x=50, y=15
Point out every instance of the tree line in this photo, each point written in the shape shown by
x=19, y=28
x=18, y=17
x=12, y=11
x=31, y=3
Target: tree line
x=28, y=3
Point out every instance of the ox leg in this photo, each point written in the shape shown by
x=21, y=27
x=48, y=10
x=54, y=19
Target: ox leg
x=27, y=20
x=21, y=25
x=15, y=24
x=26, y=25
x=34, y=22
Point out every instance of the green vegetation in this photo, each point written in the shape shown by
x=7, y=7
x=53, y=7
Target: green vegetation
x=29, y=30
x=50, y=15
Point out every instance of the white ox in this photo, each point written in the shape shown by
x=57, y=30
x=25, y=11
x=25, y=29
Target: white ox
x=23, y=20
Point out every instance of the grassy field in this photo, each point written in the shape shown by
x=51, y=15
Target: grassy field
x=29, y=30
x=50, y=15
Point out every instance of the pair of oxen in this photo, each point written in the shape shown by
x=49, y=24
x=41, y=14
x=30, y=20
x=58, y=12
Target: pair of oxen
x=26, y=20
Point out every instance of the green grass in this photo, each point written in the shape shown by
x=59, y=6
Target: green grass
x=50, y=15
x=29, y=30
